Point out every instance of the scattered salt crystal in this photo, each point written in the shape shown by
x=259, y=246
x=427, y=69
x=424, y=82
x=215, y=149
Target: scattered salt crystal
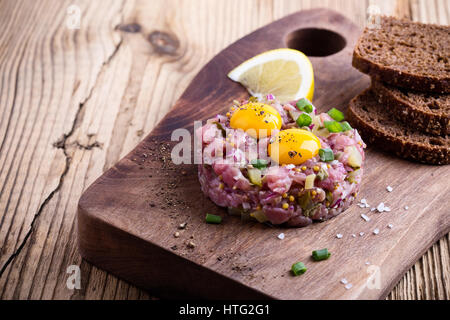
x=387, y=209
x=339, y=236
x=390, y=225
x=348, y=286
x=281, y=236
x=367, y=263
x=363, y=204
x=182, y=225
x=380, y=207
x=376, y=231
x=373, y=209
x=361, y=234
x=354, y=235
x=344, y=281
x=389, y=188
x=406, y=207
x=365, y=217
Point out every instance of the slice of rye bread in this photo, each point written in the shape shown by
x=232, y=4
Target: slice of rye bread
x=378, y=128
x=406, y=54
x=427, y=112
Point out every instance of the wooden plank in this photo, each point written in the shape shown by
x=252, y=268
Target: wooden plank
x=42, y=47
x=115, y=218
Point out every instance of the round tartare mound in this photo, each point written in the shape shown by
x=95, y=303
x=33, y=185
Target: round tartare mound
x=237, y=172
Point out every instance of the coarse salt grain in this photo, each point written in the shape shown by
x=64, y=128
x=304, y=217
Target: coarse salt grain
x=387, y=209
x=380, y=207
x=389, y=188
x=367, y=263
x=339, y=236
x=344, y=281
x=348, y=286
x=354, y=235
x=361, y=234
x=406, y=207
x=281, y=236
x=390, y=226
x=365, y=217
x=376, y=231
x=373, y=209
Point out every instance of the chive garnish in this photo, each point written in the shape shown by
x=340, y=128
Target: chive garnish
x=346, y=126
x=319, y=255
x=259, y=163
x=333, y=126
x=304, y=105
x=220, y=127
x=326, y=154
x=212, y=218
x=298, y=268
x=304, y=120
x=336, y=114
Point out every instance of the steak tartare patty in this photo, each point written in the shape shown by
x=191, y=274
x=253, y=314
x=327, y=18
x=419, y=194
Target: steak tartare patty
x=238, y=173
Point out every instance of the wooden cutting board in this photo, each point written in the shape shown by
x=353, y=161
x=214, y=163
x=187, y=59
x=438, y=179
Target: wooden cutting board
x=128, y=217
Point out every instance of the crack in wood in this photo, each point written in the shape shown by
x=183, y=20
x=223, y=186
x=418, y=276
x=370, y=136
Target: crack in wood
x=63, y=144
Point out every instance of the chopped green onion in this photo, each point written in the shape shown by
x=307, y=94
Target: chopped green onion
x=346, y=126
x=326, y=154
x=259, y=163
x=304, y=120
x=336, y=114
x=333, y=126
x=319, y=255
x=212, y=218
x=304, y=105
x=298, y=268
x=220, y=127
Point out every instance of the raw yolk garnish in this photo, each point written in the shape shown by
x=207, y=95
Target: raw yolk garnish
x=293, y=146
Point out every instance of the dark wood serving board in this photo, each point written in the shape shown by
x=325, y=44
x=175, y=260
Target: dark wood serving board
x=128, y=217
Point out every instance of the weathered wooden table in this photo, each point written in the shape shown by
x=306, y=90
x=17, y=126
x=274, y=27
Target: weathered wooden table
x=82, y=82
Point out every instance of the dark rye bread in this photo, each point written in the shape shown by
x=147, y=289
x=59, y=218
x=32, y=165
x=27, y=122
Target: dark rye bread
x=406, y=54
x=378, y=128
x=425, y=112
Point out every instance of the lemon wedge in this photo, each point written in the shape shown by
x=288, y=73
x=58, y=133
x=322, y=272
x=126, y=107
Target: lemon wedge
x=285, y=73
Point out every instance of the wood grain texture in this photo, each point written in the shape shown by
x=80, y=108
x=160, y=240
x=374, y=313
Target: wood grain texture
x=96, y=92
x=131, y=212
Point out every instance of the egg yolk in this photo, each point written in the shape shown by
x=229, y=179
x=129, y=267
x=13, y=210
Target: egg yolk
x=257, y=119
x=293, y=146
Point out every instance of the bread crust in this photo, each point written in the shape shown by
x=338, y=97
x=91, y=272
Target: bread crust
x=399, y=78
x=396, y=74
x=400, y=145
x=409, y=114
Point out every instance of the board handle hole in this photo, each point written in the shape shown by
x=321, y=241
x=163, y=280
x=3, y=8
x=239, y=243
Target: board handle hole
x=316, y=42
